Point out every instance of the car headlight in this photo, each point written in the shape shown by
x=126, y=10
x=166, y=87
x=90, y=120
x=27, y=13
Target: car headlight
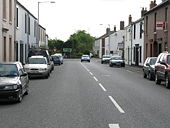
x=11, y=87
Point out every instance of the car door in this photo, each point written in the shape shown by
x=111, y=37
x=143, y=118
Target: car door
x=162, y=67
x=23, y=79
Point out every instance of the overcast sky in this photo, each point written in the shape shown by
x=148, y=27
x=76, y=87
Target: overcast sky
x=65, y=17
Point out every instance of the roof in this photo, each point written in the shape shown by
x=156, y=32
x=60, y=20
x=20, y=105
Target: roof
x=166, y=2
x=26, y=9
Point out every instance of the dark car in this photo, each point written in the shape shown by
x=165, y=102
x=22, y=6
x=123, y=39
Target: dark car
x=105, y=59
x=13, y=81
x=149, y=68
x=162, y=69
x=116, y=61
x=56, y=59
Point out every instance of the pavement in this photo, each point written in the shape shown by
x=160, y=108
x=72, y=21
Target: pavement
x=133, y=68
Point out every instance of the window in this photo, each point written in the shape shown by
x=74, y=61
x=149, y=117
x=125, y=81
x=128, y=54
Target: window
x=10, y=10
x=25, y=23
x=134, y=31
x=166, y=13
x=10, y=49
x=155, y=22
x=34, y=28
x=29, y=25
x=16, y=51
x=4, y=9
x=146, y=24
x=141, y=31
x=17, y=17
x=4, y=48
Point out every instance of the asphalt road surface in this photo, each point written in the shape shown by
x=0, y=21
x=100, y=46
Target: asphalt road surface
x=90, y=95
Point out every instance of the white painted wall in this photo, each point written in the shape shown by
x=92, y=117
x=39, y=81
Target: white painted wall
x=115, y=38
x=107, y=45
x=22, y=37
x=128, y=45
x=138, y=41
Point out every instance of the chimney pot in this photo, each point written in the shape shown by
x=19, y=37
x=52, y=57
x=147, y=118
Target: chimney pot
x=121, y=25
x=130, y=19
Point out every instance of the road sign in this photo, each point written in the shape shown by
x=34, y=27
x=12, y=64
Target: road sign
x=67, y=50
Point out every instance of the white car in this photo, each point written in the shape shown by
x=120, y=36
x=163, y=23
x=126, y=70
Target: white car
x=37, y=66
x=85, y=58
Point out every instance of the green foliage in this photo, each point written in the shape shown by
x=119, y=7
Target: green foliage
x=80, y=43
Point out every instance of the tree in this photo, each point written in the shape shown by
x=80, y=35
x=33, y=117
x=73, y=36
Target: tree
x=81, y=43
x=55, y=46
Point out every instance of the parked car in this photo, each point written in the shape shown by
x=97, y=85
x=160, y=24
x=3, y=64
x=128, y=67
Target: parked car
x=42, y=52
x=149, y=68
x=13, y=81
x=116, y=61
x=105, y=59
x=56, y=59
x=37, y=66
x=162, y=69
x=85, y=58
x=60, y=57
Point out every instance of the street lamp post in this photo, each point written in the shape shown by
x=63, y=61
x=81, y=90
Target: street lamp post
x=39, y=6
x=38, y=31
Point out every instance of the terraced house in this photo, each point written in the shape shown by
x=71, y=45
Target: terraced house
x=7, y=30
x=157, y=30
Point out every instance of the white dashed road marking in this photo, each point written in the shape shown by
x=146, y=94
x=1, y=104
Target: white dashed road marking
x=95, y=78
x=114, y=126
x=91, y=73
x=102, y=87
x=116, y=104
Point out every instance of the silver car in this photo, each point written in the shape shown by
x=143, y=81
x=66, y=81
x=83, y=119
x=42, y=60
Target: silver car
x=37, y=66
x=116, y=61
x=13, y=81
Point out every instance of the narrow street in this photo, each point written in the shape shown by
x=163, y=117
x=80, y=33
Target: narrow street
x=90, y=95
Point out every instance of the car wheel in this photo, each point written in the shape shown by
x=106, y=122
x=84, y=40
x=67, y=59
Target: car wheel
x=110, y=65
x=144, y=75
x=149, y=76
x=26, y=93
x=157, y=80
x=167, y=82
x=102, y=62
x=20, y=95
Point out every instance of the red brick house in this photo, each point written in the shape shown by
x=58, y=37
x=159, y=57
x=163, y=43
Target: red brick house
x=157, y=28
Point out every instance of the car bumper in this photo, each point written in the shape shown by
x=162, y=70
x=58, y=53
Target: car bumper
x=118, y=64
x=38, y=74
x=9, y=95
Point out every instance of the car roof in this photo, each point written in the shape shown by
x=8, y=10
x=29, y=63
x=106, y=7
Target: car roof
x=15, y=62
x=37, y=57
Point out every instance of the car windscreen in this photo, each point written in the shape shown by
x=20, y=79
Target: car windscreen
x=55, y=57
x=8, y=70
x=37, y=61
x=116, y=58
x=106, y=57
x=153, y=61
x=168, y=57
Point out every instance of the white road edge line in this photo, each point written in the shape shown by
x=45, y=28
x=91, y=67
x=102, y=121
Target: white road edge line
x=117, y=105
x=114, y=125
x=102, y=87
x=95, y=79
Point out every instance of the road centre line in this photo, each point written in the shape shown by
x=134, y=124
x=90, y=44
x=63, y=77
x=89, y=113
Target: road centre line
x=95, y=79
x=102, y=87
x=91, y=73
x=117, y=105
x=114, y=126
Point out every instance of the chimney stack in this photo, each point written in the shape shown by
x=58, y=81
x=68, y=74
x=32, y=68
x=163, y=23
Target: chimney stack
x=114, y=28
x=153, y=4
x=107, y=30
x=143, y=11
x=121, y=25
x=130, y=19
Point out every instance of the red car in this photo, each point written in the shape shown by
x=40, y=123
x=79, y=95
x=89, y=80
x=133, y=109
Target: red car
x=162, y=69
